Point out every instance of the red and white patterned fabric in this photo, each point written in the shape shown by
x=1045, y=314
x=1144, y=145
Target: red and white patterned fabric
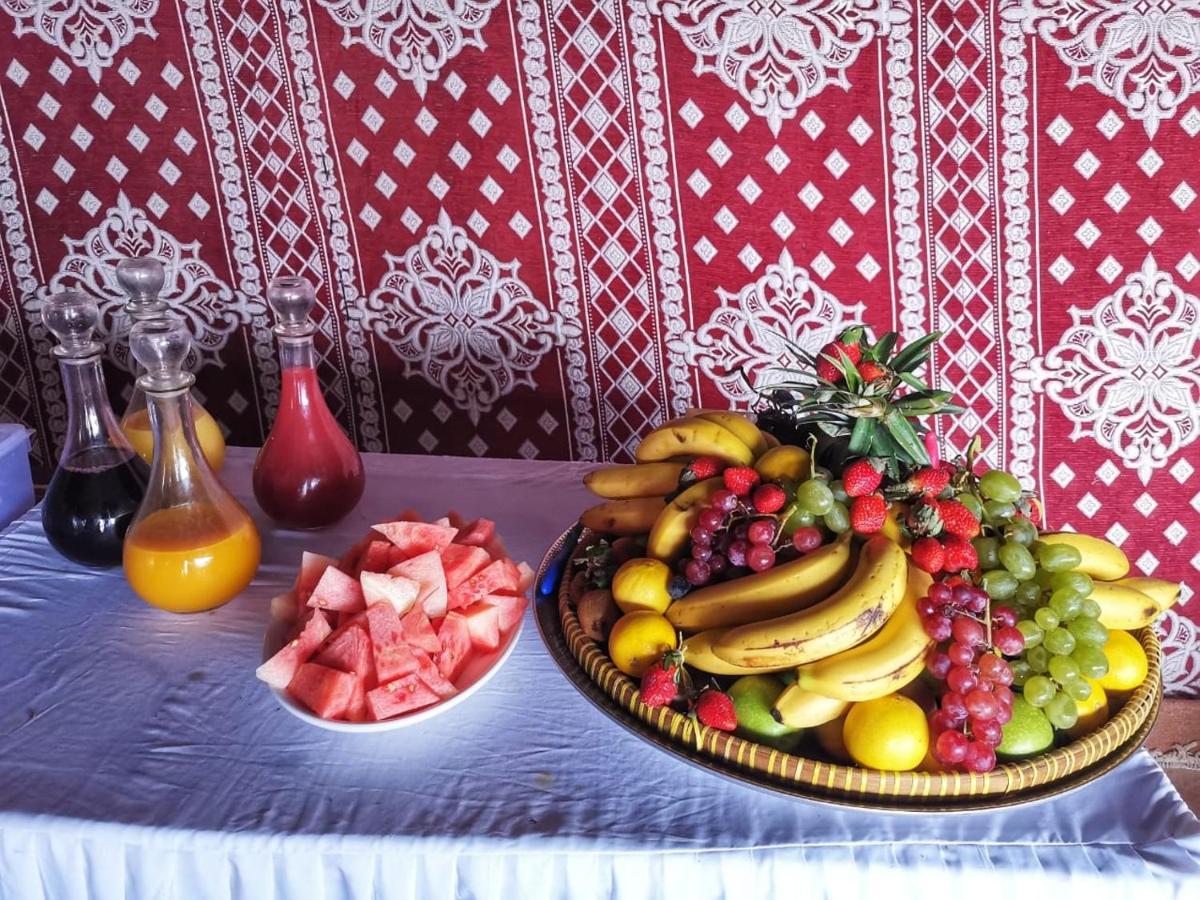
x=539, y=228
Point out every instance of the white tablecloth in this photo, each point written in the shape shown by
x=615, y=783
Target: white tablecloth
x=139, y=758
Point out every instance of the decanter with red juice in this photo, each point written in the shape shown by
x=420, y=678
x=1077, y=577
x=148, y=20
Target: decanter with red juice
x=308, y=474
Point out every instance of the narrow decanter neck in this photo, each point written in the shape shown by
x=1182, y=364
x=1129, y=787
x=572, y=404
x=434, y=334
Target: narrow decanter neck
x=297, y=352
x=180, y=471
x=91, y=422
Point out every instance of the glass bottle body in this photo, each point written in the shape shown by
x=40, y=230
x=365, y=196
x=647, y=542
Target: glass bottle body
x=192, y=547
x=100, y=482
x=307, y=474
x=136, y=425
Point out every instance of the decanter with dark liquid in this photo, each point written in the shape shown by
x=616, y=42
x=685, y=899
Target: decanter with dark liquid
x=100, y=481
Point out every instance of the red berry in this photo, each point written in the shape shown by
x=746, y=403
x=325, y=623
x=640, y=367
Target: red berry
x=697, y=572
x=769, y=498
x=847, y=354
x=969, y=632
x=863, y=476
x=737, y=552
x=710, y=519
x=957, y=520
x=987, y=730
x=807, y=539
x=960, y=654
x=980, y=704
x=979, y=757
x=740, y=480
x=869, y=370
x=961, y=680
x=930, y=481
x=1008, y=641
x=951, y=747
x=938, y=663
x=868, y=513
x=1004, y=615
x=937, y=627
x=761, y=531
x=705, y=467
x=1003, y=695
x=941, y=721
x=724, y=501
x=715, y=709
x=960, y=554
x=927, y=554
x=660, y=684
x=760, y=557
x=954, y=706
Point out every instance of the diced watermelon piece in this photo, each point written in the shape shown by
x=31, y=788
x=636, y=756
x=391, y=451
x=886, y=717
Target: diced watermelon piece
x=511, y=607
x=496, y=549
x=415, y=538
x=280, y=669
x=400, y=696
x=396, y=662
x=483, y=623
x=461, y=561
x=500, y=575
x=426, y=570
x=444, y=522
x=349, y=561
x=526, y=575
x=387, y=641
x=456, y=645
x=376, y=558
x=477, y=534
x=397, y=590
x=456, y=520
x=325, y=691
x=337, y=591
x=419, y=632
x=409, y=515
x=428, y=671
x=284, y=606
x=357, y=709
x=312, y=567
x=349, y=650
x=396, y=555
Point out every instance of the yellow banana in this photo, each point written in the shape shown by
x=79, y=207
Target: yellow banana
x=623, y=482
x=633, y=516
x=1165, y=594
x=784, y=589
x=800, y=708
x=1101, y=559
x=881, y=665
x=671, y=527
x=1123, y=607
x=786, y=462
x=745, y=430
x=693, y=437
x=849, y=617
x=891, y=525
x=697, y=653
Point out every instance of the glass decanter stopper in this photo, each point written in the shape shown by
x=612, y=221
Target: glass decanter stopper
x=191, y=546
x=142, y=279
x=100, y=480
x=308, y=474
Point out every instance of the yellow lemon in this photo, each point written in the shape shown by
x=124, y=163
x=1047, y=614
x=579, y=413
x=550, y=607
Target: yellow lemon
x=1126, y=662
x=642, y=584
x=1093, y=712
x=638, y=640
x=888, y=733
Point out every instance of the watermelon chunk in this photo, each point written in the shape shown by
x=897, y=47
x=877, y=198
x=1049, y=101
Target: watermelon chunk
x=392, y=653
x=455, y=520
x=525, y=577
x=280, y=669
x=415, y=538
x=397, y=590
x=349, y=650
x=312, y=567
x=426, y=570
x=511, y=607
x=400, y=696
x=455, y=636
x=428, y=671
x=396, y=662
x=500, y=575
x=349, y=562
x=495, y=548
x=461, y=561
x=325, y=691
x=483, y=624
x=418, y=632
x=444, y=522
x=477, y=534
x=337, y=591
x=357, y=709
x=376, y=558
x=395, y=556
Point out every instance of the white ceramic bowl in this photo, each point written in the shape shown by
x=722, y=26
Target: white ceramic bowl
x=469, y=680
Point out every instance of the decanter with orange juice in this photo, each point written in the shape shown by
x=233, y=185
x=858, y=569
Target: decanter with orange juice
x=142, y=280
x=191, y=546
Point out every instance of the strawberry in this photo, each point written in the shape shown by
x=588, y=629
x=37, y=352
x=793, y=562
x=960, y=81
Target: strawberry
x=740, y=479
x=660, y=683
x=863, y=476
x=929, y=482
x=869, y=370
x=867, y=513
x=847, y=354
x=1029, y=507
x=927, y=554
x=768, y=498
x=957, y=520
x=960, y=554
x=702, y=468
x=715, y=709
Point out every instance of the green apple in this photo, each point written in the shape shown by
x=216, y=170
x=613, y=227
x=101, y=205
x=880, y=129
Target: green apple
x=1027, y=733
x=753, y=696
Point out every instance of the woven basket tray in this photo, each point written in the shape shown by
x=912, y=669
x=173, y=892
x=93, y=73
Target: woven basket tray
x=1005, y=781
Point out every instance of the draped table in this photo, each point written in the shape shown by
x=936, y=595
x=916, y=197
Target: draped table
x=140, y=758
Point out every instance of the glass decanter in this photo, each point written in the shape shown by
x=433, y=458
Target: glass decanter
x=142, y=280
x=192, y=546
x=100, y=480
x=308, y=474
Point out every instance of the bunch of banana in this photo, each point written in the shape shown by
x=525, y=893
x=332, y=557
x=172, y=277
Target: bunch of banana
x=786, y=588
x=698, y=653
x=672, y=527
x=625, y=482
x=696, y=436
x=851, y=615
x=800, y=708
x=625, y=517
x=783, y=463
x=1100, y=559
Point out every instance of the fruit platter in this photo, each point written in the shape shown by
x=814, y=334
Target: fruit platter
x=813, y=597
x=409, y=622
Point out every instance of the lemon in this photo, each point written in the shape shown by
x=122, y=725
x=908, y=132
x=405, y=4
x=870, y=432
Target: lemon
x=1126, y=662
x=642, y=584
x=638, y=640
x=888, y=733
x=1093, y=712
